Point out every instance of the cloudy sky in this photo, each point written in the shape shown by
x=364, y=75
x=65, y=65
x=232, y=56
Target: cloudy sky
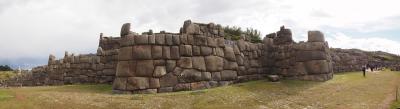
x=32, y=29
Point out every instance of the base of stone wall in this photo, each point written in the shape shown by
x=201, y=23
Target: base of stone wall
x=193, y=86
x=315, y=77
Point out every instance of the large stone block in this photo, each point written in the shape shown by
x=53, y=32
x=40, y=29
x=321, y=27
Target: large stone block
x=144, y=68
x=183, y=39
x=190, y=75
x=119, y=83
x=125, y=54
x=168, y=80
x=229, y=54
x=302, y=56
x=211, y=42
x=228, y=65
x=214, y=63
x=176, y=39
x=205, y=51
x=154, y=83
x=170, y=65
x=196, y=51
x=160, y=39
x=216, y=76
x=141, y=52
x=317, y=66
x=228, y=75
x=219, y=52
x=199, y=63
x=123, y=69
x=125, y=29
x=168, y=39
x=134, y=83
x=157, y=52
x=191, y=28
x=175, y=52
x=159, y=71
x=141, y=39
x=185, y=62
x=182, y=87
x=315, y=36
x=185, y=50
x=152, y=39
x=166, y=52
x=300, y=68
x=200, y=40
x=206, y=76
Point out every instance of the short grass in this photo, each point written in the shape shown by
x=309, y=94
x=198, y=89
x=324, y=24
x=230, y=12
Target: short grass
x=344, y=91
x=4, y=75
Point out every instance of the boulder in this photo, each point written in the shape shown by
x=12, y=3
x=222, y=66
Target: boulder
x=273, y=78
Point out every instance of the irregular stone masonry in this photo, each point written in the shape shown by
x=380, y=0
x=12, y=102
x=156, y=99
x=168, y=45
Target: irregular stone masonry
x=199, y=57
x=196, y=58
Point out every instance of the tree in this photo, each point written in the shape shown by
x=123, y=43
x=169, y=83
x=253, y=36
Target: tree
x=5, y=68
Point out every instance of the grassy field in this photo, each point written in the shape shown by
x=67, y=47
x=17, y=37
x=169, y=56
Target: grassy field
x=345, y=91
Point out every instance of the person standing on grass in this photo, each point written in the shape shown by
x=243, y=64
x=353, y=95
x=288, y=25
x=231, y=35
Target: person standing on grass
x=364, y=68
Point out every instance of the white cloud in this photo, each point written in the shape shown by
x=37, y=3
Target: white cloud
x=340, y=40
x=35, y=28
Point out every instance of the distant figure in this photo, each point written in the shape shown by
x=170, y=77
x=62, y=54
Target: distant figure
x=364, y=68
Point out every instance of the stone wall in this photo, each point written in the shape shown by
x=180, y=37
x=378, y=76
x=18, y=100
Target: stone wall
x=196, y=58
x=75, y=69
x=199, y=57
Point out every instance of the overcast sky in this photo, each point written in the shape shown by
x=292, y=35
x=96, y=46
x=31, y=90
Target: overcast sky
x=32, y=29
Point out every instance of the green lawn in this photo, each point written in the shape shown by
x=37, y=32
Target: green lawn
x=344, y=91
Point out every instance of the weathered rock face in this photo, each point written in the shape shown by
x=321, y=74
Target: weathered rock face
x=199, y=57
x=196, y=58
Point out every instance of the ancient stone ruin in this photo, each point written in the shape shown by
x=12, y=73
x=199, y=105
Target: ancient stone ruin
x=197, y=57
